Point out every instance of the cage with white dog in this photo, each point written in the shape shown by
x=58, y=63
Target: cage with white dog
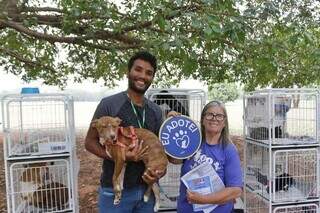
x=41, y=186
x=39, y=152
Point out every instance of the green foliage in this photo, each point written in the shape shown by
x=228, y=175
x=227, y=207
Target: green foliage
x=254, y=43
x=223, y=92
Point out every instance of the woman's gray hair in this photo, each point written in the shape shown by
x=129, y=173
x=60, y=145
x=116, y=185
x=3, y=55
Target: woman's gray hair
x=225, y=136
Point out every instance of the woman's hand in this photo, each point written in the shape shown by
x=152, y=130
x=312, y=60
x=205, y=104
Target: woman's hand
x=225, y=195
x=195, y=198
x=173, y=114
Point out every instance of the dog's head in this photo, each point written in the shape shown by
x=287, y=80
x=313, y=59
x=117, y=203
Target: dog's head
x=107, y=128
x=35, y=173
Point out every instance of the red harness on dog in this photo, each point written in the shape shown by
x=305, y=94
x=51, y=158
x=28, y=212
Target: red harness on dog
x=133, y=140
x=132, y=136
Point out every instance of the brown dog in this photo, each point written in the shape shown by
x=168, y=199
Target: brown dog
x=117, y=140
x=52, y=196
x=32, y=177
x=35, y=173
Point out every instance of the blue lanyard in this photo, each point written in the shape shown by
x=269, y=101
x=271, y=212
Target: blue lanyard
x=143, y=115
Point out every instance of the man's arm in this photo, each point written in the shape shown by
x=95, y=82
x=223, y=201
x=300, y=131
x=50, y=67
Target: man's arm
x=92, y=144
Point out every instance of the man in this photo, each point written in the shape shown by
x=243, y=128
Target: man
x=134, y=110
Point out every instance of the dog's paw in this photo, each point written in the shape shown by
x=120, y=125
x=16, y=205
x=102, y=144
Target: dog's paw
x=116, y=202
x=145, y=198
x=156, y=207
x=182, y=139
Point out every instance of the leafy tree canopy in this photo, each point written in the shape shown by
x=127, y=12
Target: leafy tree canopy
x=255, y=43
x=223, y=92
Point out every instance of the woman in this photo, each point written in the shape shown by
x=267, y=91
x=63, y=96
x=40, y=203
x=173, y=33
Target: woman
x=218, y=150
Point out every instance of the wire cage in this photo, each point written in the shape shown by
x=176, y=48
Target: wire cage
x=187, y=102
x=282, y=116
x=302, y=208
x=41, y=186
x=260, y=206
x=169, y=187
x=255, y=203
x=37, y=124
x=281, y=176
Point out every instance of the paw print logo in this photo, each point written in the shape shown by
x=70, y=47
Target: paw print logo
x=217, y=166
x=197, y=155
x=182, y=139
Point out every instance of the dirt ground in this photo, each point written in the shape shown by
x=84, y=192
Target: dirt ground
x=89, y=175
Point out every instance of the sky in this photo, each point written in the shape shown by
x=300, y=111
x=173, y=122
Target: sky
x=10, y=82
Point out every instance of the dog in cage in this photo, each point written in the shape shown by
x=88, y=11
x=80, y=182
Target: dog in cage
x=33, y=176
x=39, y=191
x=35, y=173
x=282, y=181
x=257, y=110
x=51, y=196
x=168, y=102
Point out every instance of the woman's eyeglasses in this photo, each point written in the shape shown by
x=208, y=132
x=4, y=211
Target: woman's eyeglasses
x=211, y=116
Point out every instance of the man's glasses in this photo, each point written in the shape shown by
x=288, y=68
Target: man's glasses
x=211, y=116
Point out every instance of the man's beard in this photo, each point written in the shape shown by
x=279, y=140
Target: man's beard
x=133, y=87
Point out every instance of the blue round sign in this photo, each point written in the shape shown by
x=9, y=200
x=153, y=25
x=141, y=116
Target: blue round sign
x=180, y=137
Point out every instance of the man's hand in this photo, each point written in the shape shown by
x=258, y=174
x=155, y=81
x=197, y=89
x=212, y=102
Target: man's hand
x=136, y=152
x=151, y=176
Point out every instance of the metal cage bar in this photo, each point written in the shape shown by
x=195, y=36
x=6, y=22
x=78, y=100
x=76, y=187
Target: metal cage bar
x=39, y=153
x=281, y=129
x=37, y=124
x=187, y=102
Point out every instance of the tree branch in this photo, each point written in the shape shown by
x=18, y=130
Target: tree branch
x=19, y=57
x=47, y=37
x=81, y=40
x=56, y=21
x=110, y=47
x=51, y=20
x=26, y=62
x=41, y=9
x=10, y=7
x=167, y=70
x=209, y=63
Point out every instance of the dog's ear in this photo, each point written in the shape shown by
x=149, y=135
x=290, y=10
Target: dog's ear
x=118, y=120
x=94, y=123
